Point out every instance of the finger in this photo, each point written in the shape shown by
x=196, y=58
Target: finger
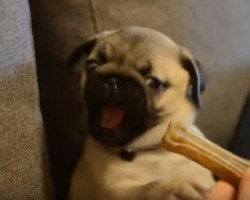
x=221, y=190
x=244, y=188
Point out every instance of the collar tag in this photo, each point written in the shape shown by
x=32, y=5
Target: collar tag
x=127, y=154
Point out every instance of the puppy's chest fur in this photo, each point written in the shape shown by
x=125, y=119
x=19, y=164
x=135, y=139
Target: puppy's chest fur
x=99, y=168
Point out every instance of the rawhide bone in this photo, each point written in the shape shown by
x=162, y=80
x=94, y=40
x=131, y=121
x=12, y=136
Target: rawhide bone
x=183, y=140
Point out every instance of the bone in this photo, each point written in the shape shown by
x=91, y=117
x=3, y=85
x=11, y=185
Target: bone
x=183, y=140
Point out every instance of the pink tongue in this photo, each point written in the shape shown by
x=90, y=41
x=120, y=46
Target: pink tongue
x=111, y=117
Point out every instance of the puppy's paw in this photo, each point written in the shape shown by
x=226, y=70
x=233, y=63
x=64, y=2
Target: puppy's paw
x=179, y=189
x=187, y=189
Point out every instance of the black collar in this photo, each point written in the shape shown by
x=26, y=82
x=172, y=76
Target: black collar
x=129, y=153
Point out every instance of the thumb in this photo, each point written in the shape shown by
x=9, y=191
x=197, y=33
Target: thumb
x=244, y=188
x=221, y=190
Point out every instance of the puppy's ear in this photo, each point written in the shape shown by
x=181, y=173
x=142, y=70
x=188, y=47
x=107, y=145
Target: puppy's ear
x=82, y=51
x=197, y=83
x=76, y=61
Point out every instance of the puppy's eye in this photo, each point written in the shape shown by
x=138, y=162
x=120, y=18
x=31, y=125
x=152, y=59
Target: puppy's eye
x=154, y=83
x=92, y=64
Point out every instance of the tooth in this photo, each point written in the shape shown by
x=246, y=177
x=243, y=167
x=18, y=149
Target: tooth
x=182, y=140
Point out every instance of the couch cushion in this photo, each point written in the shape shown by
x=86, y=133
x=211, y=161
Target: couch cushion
x=58, y=26
x=23, y=164
x=240, y=141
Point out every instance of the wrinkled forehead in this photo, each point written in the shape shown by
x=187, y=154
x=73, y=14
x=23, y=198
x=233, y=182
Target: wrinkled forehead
x=140, y=48
x=140, y=42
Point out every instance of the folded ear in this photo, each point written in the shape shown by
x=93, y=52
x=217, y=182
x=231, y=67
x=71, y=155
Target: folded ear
x=76, y=61
x=197, y=83
x=83, y=50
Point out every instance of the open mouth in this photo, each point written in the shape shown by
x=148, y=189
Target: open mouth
x=118, y=124
x=109, y=123
x=117, y=112
x=111, y=117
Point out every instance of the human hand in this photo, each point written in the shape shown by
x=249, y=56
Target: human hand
x=223, y=190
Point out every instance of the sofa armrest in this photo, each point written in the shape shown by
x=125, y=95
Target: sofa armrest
x=23, y=164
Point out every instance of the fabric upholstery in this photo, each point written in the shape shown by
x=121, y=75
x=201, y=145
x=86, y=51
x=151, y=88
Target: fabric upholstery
x=240, y=141
x=23, y=159
x=58, y=26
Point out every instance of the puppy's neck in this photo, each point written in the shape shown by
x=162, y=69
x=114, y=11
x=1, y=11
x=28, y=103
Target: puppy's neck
x=151, y=137
x=154, y=135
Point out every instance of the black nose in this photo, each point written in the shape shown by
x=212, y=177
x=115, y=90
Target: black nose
x=112, y=83
x=114, y=88
x=112, y=80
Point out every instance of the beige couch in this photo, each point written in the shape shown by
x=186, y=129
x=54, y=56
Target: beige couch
x=217, y=32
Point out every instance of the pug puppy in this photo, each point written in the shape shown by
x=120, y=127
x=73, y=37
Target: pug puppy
x=134, y=81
